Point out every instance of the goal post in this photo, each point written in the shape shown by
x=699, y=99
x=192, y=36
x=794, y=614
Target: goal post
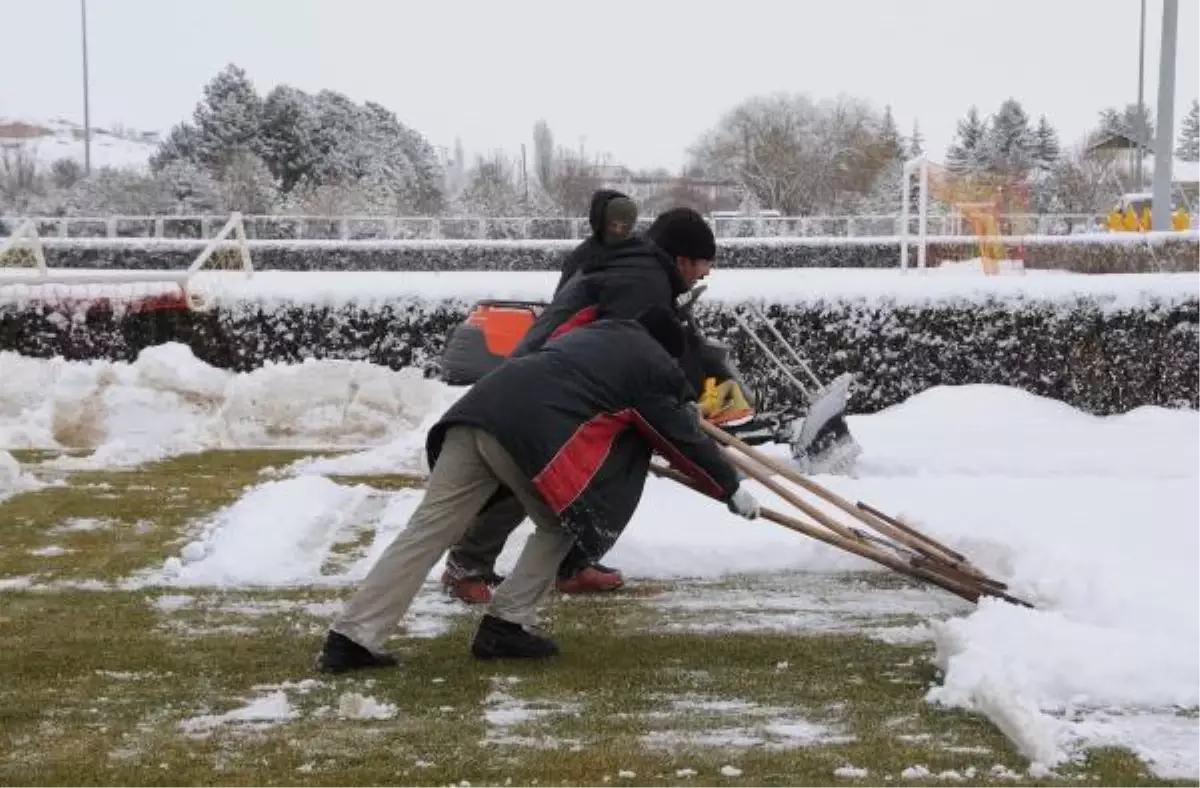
x=26, y=278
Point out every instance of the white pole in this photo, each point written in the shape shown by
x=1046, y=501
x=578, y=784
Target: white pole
x=1160, y=210
x=905, y=171
x=923, y=213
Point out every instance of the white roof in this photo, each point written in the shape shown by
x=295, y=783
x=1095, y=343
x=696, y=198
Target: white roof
x=1181, y=171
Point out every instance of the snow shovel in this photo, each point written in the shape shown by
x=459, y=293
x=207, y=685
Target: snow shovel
x=820, y=441
x=879, y=550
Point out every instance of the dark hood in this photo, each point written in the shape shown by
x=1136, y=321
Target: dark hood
x=600, y=198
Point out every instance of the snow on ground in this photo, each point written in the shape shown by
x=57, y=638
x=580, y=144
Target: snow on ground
x=167, y=402
x=1093, y=519
x=52, y=140
x=13, y=479
x=912, y=286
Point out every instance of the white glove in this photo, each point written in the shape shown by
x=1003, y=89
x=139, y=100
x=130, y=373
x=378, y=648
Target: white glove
x=743, y=503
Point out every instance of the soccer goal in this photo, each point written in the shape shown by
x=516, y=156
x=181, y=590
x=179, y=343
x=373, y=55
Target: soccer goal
x=26, y=279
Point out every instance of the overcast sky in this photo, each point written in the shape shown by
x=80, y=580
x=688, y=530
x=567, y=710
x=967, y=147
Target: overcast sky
x=637, y=79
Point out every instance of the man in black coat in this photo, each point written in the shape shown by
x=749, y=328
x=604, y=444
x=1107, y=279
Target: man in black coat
x=576, y=455
x=620, y=279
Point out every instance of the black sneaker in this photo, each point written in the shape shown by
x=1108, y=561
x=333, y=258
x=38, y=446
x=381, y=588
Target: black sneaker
x=492, y=579
x=341, y=654
x=500, y=639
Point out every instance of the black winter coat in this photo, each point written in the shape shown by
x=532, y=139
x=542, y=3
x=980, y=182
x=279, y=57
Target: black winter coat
x=619, y=282
x=582, y=417
x=594, y=243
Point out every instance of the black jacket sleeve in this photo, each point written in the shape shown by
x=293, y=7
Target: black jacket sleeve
x=670, y=422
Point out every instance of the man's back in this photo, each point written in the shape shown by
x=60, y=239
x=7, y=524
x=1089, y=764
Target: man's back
x=618, y=282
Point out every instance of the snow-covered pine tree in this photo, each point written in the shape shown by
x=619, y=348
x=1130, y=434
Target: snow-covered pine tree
x=287, y=135
x=1047, y=150
x=916, y=143
x=1187, y=147
x=888, y=140
x=1008, y=147
x=963, y=154
x=1125, y=122
x=228, y=119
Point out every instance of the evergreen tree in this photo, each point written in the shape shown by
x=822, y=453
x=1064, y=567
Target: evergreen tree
x=963, y=155
x=1125, y=123
x=916, y=143
x=1046, y=150
x=890, y=143
x=1008, y=145
x=1187, y=146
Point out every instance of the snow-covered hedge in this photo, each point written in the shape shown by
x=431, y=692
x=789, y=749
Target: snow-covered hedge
x=1097, y=253
x=1099, y=354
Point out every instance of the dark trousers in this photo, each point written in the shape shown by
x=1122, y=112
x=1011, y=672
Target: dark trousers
x=476, y=552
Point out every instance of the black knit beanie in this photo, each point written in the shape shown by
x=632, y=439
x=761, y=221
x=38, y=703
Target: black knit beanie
x=681, y=232
x=661, y=323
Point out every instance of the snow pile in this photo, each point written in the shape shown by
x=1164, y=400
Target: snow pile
x=266, y=711
x=354, y=706
x=168, y=402
x=13, y=480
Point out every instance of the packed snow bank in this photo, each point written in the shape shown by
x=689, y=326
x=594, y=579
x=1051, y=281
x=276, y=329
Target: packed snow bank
x=168, y=402
x=13, y=479
x=803, y=285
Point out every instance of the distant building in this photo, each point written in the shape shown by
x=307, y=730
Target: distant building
x=658, y=191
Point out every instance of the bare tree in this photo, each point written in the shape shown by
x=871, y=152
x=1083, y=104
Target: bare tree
x=543, y=153
x=20, y=181
x=1086, y=181
x=573, y=183
x=491, y=188
x=791, y=154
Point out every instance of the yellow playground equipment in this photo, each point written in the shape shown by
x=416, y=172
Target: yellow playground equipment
x=1131, y=214
x=994, y=207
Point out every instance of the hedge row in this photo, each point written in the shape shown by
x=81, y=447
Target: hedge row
x=1088, y=354
x=1109, y=253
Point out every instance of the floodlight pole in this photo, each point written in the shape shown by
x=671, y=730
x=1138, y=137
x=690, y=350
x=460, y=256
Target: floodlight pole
x=87, y=119
x=1160, y=212
x=1140, y=132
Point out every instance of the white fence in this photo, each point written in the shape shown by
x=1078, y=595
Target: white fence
x=280, y=227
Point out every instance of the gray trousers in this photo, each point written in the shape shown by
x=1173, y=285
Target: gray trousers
x=470, y=470
x=475, y=554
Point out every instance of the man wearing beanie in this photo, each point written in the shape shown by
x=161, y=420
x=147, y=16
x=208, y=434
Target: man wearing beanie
x=622, y=279
x=575, y=455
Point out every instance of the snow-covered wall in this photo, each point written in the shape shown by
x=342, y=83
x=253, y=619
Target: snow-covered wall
x=1103, y=344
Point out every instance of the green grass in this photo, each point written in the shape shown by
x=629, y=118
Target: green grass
x=97, y=684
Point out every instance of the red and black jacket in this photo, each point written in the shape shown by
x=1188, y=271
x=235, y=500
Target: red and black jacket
x=582, y=417
x=617, y=282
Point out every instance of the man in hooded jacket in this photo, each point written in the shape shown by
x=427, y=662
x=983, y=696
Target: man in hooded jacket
x=612, y=217
x=576, y=457
x=616, y=278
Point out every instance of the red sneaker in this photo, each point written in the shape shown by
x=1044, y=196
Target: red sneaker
x=472, y=590
x=593, y=579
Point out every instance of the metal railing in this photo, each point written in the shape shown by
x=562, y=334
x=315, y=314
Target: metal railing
x=354, y=228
